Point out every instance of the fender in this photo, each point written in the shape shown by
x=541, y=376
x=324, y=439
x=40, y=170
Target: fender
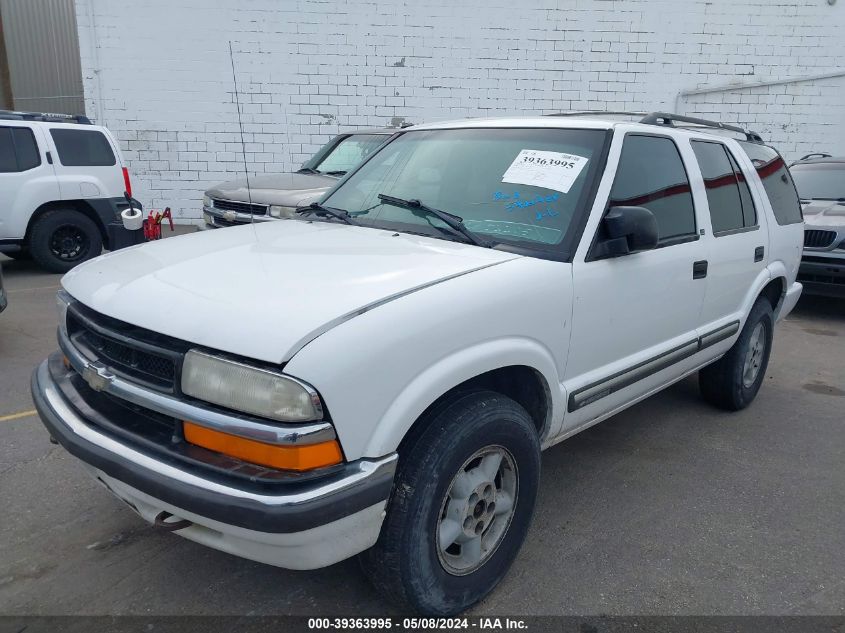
x=771, y=271
x=456, y=369
x=402, y=356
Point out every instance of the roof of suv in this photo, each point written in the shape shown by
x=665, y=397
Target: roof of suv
x=370, y=130
x=662, y=122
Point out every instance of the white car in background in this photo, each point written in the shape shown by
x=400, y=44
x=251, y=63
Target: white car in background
x=62, y=182
x=473, y=293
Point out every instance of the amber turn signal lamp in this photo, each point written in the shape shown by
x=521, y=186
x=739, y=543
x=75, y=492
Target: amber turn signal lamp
x=297, y=457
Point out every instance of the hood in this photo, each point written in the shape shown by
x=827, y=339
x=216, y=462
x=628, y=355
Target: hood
x=284, y=189
x=264, y=291
x=826, y=214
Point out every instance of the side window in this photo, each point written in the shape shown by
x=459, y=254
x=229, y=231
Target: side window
x=749, y=212
x=18, y=150
x=82, y=148
x=777, y=182
x=651, y=174
x=720, y=182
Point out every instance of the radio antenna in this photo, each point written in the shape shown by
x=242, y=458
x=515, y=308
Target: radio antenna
x=241, y=126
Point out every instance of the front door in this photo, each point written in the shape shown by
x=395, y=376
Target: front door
x=636, y=316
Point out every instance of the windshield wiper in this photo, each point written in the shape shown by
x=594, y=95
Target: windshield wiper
x=454, y=222
x=336, y=172
x=308, y=170
x=318, y=209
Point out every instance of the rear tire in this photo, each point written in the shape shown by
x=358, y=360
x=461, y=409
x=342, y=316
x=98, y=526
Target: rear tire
x=63, y=238
x=732, y=382
x=461, y=506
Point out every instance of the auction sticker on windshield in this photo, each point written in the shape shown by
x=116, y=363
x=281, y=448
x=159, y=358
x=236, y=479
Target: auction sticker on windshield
x=552, y=170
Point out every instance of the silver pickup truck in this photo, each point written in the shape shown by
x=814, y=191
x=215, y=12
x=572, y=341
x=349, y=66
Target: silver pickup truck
x=277, y=196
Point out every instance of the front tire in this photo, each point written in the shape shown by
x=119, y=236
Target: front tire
x=732, y=382
x=462, y=503
x=63, y=238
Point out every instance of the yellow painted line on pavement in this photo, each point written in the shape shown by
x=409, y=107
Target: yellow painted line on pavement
x=18, y=416
x=11, y=290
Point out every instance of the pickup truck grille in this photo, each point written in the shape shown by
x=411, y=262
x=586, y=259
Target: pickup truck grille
x=102, y=339
x=813, y=238
x=240, y=207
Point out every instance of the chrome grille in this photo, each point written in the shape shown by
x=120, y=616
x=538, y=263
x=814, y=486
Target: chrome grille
x=100, y=340
x=240, y=207
x=814, y=238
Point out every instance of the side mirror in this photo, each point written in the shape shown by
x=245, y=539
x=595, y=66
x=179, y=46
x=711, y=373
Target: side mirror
x=627, y=230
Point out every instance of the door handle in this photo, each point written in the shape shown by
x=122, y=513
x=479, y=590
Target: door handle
x=758, y=254
x=699, y=269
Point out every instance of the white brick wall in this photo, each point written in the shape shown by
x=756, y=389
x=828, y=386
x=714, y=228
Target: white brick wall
x=157, y=72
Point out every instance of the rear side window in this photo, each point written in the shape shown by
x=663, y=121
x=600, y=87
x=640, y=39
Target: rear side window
x=82, y=148
x=777, y=182
x=652, y=175
x=18, y=150
x=724, y=193
x=749, y=212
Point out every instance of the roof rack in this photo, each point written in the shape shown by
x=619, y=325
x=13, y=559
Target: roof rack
x=597, y=112
x=664, y=118
x=50, y=117
x=816, y=154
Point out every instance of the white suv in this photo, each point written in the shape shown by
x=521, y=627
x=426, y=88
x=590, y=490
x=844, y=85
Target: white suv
x=62, y=182
x=473, y=293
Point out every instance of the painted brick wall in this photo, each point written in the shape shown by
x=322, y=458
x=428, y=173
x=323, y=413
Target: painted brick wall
x=157, y=72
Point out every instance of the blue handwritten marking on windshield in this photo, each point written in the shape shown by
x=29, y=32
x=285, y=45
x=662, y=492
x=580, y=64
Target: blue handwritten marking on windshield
x=548, y=213
x=516, y=202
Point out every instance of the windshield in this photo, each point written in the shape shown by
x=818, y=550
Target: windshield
x=522, y=186
x=820, y=181
x=349, y=152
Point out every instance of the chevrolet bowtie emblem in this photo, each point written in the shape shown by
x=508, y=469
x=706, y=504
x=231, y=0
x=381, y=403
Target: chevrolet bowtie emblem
x=230, y=215
x=97, y=378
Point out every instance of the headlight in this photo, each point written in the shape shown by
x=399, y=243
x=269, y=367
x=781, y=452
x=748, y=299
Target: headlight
x=278, y=211
x=63, y=300
x=206, y=201
x=249, y=389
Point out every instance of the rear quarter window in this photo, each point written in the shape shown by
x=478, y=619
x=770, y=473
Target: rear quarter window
x=82, y=148
x=777, y=182
x=18, y=150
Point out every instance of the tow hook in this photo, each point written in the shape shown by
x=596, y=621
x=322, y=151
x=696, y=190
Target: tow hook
x=161, y=522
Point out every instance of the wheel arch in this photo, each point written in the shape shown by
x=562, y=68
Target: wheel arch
x=80, y=206
x=527, y=375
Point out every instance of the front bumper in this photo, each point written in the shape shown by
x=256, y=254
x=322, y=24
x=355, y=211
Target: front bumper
x=324, y=521
x=822, y=275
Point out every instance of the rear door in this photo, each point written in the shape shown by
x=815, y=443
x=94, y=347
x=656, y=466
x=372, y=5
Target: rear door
x=26, y=178
x=777, y=191
x=636, y=317
x=87, y=164
x=737, y=238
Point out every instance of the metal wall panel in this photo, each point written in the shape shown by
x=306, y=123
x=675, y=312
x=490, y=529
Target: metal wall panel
x=43, y=55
